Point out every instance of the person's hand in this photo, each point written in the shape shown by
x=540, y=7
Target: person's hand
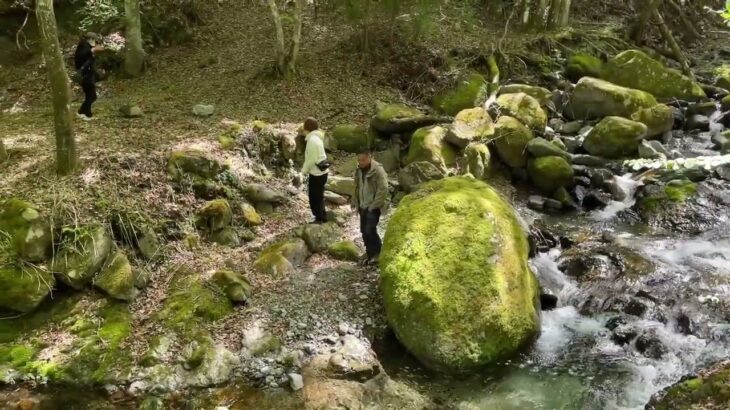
x=97, y=49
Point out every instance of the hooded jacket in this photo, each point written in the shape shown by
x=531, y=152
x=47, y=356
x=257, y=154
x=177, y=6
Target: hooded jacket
x=372, y=192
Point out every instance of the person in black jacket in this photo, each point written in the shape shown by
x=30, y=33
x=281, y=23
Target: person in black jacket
x=84, y=64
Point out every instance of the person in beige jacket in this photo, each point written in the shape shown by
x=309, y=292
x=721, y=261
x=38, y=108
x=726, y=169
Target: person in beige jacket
x=371, y=195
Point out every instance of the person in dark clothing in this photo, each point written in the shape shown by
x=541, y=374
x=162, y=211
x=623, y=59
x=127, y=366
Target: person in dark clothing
x=84, y=63
x=315, y=169
x=371, y=194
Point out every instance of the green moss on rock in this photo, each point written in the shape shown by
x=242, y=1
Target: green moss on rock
x=192, y=162
x=344, y=251
x=457, y=288
x=594, y=98
x=542, y=95
x=722, y=76
x=319, y=237
x=190, y=301
x=214, y=216
x=429, y=144
x=709, y=391
x=250, y=216
x=235, y=285
x=615, y=137
x=350, y=138
x=511, y=139
x=82, y=254
x=525, y=109
x=477, y=160
x=280, y=258
x=29, y=234
x=550, y=173
x=583, y=65
x=395, y=118
x=23, y=286
x=635, y=69
x=471, y=125
x=117, y=278
x=658, y=119
x=468, y=93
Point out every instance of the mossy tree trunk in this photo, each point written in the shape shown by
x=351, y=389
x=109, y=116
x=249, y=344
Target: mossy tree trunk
x=134, y=55
x=287, y=55
x=539, y=15
x=3, y=153
x=66, y=155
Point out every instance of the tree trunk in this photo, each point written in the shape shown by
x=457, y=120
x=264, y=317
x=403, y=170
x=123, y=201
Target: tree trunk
x=637, y=30
x=3, y=153
x=66, y=155
x=296, y=37
x=556, y=7
x=669, y=38
x=134, y=56
x=565, y=13
x=537, y=18
x=280, y=43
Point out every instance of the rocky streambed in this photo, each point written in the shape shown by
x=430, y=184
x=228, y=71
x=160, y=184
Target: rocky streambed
x=615, y=258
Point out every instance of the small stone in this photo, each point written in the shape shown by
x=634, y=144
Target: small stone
x=536, y=202
x=343, y=329
x=202, y=110
x=698, y=122
x=295, y=381
x=330, y=340
x=363, y=297
x=341, y=297
x=553, y=204
x=270, y=379
x=131, y=111
x=368, y=321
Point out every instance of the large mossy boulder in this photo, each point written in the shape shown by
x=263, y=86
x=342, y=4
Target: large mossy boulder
x=524, y=108
x=708, y=390
x=468, y=93
x=401, y=119
x=414, y=174
x=472, y=125
x=344, y=251
x=550, y=173
x=349, y=138
x=81, y=255
x=583, y=65
x=29, y=234
x=542, y=95
x=194, y=163
x=658, y=119
x=615, y=137
x=635, y=69
x=319, y=237
x=456, y=284
x=117, y=278
x=280, y=258
x=341, y=185
x=234, y=285
x=429, y=145
x=511, y=139
x=23, y=286
x=594, y=98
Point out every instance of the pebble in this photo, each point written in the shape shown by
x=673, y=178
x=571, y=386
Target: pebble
x=295, y=381
x=536, y=202
x=290, y=334
x=341, y=297
x=368, y=321
x=363, y=297
x=269, y=379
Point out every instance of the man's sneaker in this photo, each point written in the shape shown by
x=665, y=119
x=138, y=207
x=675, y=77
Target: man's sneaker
x=83, y=117
x=363, y=261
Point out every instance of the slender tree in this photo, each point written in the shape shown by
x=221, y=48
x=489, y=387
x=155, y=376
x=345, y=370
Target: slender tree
x=545, y=14
x=287, y=54
x=66, y=155
x=134, y=56
x=3, y=153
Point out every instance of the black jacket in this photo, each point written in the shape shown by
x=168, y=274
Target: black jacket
x=84, y=58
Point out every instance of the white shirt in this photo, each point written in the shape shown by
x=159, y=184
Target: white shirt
x=314, y=154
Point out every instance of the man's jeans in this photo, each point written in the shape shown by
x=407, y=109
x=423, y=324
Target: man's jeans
x=369, y=228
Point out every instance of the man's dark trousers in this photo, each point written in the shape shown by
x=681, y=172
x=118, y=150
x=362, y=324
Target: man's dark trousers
x=88, y=84
x=369, y=229
x=316, y=186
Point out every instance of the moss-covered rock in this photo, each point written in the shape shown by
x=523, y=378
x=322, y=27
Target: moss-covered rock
x=658, y=119
x=23, y=286
x=429, y=145
x=477, y=160
x=725, y=103
x=398, y=118
x=707, y=391
x=540, y=147
x=511, y=139
x=136, y=231
x=249, y=215
x=635, y=69
x=190, y=302
x=469, y=93
x=81, y=255
x=344, y=251
x=214, y=216
x=235, y=285
x=226, y=237
x=542, y=95
x=349, y=138
x=192, y=162
x=471, y=125
x=594, y=98
x=29, y=234
x=674, y=191
x=116, y=277
x=341, y=185
x=615, y=137
x=525, y=109
x=458, y=298
x=319, y=237
x=416, y=173
x=280, y=258
x=550, y=173
x=722, y=76
x=263, y=193
x=583, y=65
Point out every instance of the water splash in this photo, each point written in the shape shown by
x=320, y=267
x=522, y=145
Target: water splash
x=628, y=186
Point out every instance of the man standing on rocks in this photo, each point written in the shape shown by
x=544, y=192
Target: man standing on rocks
x=371, y=193
x=84, y=63
x=315, y=169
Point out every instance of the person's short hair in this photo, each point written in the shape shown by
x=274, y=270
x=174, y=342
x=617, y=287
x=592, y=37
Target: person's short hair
x=311, y=124
x=365, y=151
